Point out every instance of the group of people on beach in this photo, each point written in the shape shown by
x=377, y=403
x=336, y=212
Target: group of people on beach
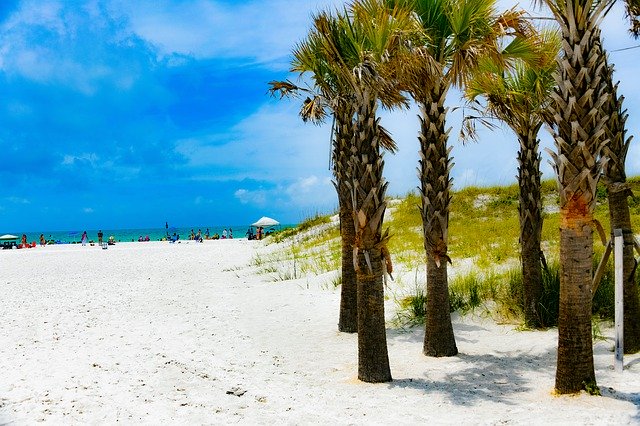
x=257, y=236
x=207, y=236
x=199, y=237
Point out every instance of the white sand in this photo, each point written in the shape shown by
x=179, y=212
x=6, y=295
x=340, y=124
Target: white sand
x=160, y=333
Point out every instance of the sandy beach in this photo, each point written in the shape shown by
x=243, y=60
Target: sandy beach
x=159, y=333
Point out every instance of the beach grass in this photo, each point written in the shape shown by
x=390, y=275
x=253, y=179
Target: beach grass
x=483, y=245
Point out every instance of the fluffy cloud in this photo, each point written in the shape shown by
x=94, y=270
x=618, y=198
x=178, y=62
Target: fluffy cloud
x=209, y=28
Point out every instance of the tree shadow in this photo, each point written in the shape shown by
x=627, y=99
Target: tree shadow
x=495, y=378
x=415, y=333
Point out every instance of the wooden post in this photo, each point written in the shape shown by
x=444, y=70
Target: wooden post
x=619, y=305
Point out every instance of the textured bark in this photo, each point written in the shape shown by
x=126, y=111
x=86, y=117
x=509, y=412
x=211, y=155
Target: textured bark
x=530, y=209
x=579, y=138
x=368, y=190
x=618, y=193
x=373, y=358
x=440, y=340
x=348, y=320
x=435, y=166
x=575, y=351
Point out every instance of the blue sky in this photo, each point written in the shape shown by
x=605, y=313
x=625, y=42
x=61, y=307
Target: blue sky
x=118, y=113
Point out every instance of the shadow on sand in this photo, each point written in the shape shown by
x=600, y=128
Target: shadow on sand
x=496, y=377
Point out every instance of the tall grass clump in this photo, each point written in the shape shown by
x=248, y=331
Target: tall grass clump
x=466, y=293
x=412, y=308
x=549, y=300
x=603, y=305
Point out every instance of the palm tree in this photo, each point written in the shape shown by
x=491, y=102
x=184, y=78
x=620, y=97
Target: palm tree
x=579, y=133
x=520, y=99
x=332, y=92
x=372, y=36
x=618, y=192
x=633, y=12
x=457, y=33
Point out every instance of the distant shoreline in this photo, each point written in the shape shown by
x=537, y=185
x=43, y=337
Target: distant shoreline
x=132, y=234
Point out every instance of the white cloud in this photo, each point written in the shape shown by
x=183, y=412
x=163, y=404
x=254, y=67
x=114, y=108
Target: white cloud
x=44, y=42
x=254, y=197
x=87, y=210
x=312, y=191
x=17, y=200
x=69, y=159
x=305, y=193
x=271, y=145
x=264, y=31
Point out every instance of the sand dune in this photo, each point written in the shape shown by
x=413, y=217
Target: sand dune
x=189, y=333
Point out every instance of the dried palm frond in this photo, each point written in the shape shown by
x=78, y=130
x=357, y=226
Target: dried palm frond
x=284, y=88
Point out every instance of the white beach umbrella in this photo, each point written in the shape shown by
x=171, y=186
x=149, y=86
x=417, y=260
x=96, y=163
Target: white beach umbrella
x=266, y=221
x=8, y=237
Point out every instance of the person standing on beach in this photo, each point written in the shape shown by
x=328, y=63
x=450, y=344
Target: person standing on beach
x=100, y=235
x=84, y=238
x=230, y=234
x=224, y=234
x=42, y=241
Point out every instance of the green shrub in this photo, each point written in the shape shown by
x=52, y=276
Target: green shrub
x=550, y=300
x=604, y=299
x=412, y=309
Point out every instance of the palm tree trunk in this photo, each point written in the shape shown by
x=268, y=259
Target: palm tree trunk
x=621, y=219
x=435, y=165
x=368, y=191
x=348, y=320
x=618, y=192
x=575, y=369
x=579, y=138
x=530, y=209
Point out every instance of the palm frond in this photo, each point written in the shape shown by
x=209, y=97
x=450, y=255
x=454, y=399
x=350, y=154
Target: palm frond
x=284, y=89
x=313, y=109
x=633, y=13
x=386, y=140
x=519, y=95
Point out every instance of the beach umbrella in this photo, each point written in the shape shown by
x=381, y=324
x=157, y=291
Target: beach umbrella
x=266, y=221
x=8, y=237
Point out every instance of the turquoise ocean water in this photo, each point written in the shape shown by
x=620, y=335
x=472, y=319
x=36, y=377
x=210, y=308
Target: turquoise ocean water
x=129, y=235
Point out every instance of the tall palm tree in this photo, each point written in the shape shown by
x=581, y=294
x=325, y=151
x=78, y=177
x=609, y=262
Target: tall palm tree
x=580, y=135
x=331, y=91
x=520, y=97
x=373, y=36
x=457, y=33
x=618, y=192
x=334, y=93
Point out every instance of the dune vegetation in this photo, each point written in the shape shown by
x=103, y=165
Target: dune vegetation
x=484, y=248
